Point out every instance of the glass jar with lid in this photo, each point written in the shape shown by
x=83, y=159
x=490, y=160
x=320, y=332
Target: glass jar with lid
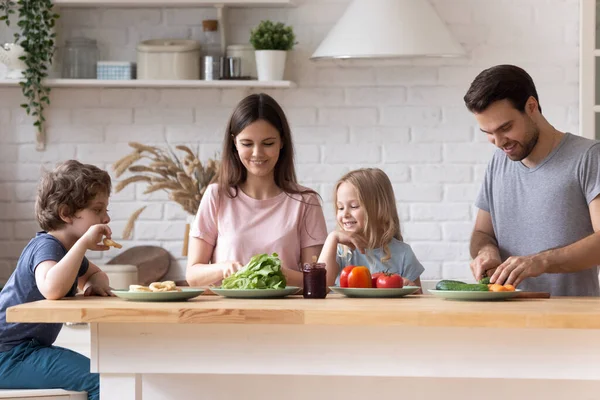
x=212, y=54
x=79, y=59
x=212, y=39
x=314, y=280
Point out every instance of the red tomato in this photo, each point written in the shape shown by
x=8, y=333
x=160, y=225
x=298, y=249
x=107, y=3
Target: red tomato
x=389, y=281
x=344, y=275
x=374, y=278
x=359, y=277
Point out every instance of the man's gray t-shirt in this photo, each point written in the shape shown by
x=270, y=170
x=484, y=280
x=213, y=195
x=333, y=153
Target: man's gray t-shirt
x=536, y=209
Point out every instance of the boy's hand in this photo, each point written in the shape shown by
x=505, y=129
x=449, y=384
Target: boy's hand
x=96, y=289
x=111, y=243
x=93, y=237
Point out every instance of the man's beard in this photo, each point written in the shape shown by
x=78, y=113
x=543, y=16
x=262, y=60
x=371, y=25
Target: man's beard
x=533, y=136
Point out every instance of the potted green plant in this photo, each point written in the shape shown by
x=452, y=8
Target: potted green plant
x=271, y=42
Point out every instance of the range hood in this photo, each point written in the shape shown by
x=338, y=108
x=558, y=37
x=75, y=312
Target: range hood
x=389, y=29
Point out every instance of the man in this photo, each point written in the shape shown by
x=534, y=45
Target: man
x=539, y=212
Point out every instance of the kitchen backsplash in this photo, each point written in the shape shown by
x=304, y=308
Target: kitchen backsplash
x=406, y=117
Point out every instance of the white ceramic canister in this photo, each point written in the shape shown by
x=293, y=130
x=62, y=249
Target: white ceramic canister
x=168, y=59
x=120, y=276
x=246, y=53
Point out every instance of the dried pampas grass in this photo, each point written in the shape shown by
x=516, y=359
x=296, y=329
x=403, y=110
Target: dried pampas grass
x=184, y=179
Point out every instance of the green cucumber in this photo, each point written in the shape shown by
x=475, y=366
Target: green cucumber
x=468, y=287
x=461, y=286
x=485, y=281
x=443, y=284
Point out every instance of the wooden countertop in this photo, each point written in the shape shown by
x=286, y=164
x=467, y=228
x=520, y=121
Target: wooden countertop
x=566, y=312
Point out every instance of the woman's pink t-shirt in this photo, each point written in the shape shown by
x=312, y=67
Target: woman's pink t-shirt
x=242, y=227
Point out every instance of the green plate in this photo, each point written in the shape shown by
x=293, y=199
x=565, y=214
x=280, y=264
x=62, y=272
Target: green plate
x=256, y=293
x=375, y=292
x=472, y=296
x=184, y=295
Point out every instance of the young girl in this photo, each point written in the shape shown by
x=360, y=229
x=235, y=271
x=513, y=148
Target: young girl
x=257, y=206
x=367, y=218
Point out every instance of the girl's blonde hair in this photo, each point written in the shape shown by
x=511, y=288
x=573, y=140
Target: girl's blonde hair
x=376, y=197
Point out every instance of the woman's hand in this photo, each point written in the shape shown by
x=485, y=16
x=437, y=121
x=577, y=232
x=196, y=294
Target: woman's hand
x=230, y=267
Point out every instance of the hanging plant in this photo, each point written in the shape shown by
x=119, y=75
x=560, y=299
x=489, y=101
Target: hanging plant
x=7, y=8
x=36, y=22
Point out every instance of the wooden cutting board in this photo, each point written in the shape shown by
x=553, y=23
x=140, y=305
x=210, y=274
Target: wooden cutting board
x=153, y=262
x=533, y=295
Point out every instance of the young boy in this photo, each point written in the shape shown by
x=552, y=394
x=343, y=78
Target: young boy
x=71, y=209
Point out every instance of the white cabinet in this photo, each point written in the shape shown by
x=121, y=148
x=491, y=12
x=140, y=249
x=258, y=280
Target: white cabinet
x=75, y=337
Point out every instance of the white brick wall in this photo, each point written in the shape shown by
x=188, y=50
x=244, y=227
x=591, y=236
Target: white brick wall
x=405, y=116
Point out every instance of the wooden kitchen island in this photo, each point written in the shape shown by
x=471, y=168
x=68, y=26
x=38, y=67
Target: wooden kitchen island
x=417, y=347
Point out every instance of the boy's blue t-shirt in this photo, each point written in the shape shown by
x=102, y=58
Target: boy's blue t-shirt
x=403, y=262
x=22, y=288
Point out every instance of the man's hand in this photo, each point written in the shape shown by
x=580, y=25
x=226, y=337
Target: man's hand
x=516, y=269
x=484, y=262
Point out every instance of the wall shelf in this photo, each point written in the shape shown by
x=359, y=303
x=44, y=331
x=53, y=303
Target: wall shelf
x=172, y=84
x=174, y=3
x=222, y=7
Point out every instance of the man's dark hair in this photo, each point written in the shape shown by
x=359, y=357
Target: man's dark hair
x=502, y=82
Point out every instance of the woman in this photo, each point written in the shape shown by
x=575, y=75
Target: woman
x=257, y=205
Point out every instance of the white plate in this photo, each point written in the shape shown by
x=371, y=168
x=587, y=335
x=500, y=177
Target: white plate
x=375, y=292
x=183, y=295
x=256, y=293
x=472, y=296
